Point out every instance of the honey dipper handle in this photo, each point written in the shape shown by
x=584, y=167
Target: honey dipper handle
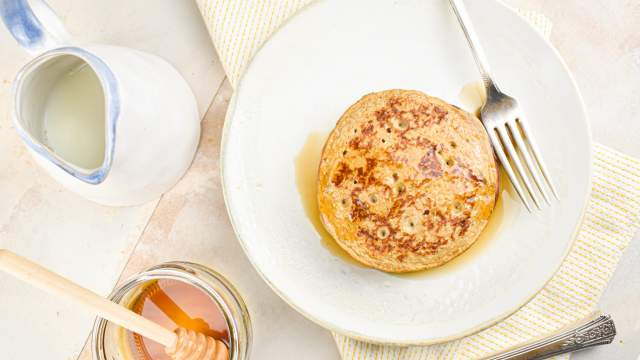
x=55, y=284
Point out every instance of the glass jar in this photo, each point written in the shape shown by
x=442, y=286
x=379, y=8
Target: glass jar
x=109, y=340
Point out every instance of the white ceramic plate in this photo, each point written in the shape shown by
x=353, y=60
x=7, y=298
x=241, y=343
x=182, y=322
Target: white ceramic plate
x=301, y=81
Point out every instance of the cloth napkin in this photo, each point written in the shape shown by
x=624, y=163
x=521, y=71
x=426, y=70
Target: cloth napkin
x=239, y=27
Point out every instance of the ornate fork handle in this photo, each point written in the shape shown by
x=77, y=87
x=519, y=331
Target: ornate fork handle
x=596, y=331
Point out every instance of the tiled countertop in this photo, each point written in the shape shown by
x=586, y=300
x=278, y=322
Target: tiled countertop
x=95, y=245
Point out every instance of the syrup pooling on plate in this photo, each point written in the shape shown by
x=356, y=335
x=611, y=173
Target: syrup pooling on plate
x=306, y=163
x=174, y=304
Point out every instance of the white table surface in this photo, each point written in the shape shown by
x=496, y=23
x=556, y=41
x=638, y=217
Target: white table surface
x=599, y=39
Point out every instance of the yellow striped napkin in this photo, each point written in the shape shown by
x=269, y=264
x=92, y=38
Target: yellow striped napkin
x=239, y=27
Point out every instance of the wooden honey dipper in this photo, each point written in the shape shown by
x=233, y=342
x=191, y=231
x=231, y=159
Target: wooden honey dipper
x=183, y=344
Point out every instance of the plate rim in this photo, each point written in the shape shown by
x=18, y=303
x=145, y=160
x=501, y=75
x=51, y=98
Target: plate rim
x=417, y=341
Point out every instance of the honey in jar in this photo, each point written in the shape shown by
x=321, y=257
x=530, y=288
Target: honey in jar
x=173, y=304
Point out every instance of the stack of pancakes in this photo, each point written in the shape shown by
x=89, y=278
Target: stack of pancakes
x=406, y=181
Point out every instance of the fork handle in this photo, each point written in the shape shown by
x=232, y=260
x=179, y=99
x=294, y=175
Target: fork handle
x=474, y=43
x=597, y=330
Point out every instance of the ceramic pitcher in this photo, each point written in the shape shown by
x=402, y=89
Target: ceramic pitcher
x=148, y=123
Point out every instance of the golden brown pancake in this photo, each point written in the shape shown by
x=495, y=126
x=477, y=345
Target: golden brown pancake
x=406, y=181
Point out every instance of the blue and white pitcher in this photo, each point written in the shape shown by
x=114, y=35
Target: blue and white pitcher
x=145, y=125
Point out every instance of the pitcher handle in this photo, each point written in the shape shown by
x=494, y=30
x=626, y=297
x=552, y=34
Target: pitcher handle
x=34, y=25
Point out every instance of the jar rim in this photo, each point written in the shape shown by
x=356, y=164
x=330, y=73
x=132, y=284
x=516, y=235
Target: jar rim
x=207, y=280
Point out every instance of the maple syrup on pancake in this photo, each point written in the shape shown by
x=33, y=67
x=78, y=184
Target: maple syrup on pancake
x=497, y=220
x=173, y=304
x=306, y=170
x=472, y=96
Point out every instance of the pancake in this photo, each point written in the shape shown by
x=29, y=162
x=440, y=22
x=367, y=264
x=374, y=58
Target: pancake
x=406, y=181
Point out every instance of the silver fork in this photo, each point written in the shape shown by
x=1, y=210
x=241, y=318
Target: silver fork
x=507, y=127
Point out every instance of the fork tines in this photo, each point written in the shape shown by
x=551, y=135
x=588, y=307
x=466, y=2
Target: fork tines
x=512, y=142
